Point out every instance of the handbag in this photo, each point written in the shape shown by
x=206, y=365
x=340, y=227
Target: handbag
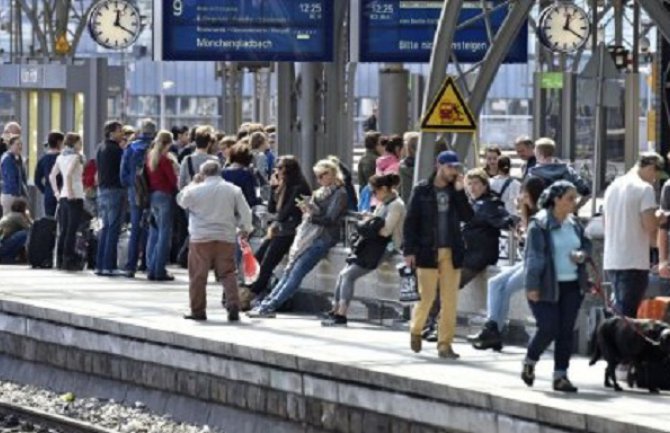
x=250, y=266
x=409, y=290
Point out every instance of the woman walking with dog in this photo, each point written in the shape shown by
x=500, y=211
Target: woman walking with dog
x=555, y=280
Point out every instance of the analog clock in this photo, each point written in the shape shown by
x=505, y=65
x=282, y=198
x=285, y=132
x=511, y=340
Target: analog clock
x=115, y=24
x=563, y=27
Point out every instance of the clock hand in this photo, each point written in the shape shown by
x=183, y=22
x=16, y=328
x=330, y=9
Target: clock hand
x=568, y=18
x=117, y=21
x=122, y=27
x=575, y=33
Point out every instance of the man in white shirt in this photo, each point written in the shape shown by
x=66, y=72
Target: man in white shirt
x=217, y=209
x=631, y=222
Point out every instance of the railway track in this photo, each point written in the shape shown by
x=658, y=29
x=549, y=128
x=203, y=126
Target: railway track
x=46, y=420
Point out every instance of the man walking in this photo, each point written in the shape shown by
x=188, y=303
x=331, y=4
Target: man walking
x=110, y=198
x=216, y=210
x=630, y=224
x=434, y=245
x=133, y=159
x=550, y=169
x=13, y=174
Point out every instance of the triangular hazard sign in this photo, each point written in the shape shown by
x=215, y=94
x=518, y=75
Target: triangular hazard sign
x=449, y=112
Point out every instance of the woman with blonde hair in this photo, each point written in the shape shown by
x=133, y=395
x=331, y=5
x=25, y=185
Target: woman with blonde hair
x=319, y=231
x=162, y=180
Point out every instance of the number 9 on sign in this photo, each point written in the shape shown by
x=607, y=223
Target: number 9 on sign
x=177, y=7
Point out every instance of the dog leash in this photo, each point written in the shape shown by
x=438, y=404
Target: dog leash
x=597, y=289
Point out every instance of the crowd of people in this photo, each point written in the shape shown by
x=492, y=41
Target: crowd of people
x=191, y=192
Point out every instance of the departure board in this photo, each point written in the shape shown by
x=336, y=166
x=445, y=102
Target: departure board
x=403, y=31
x=245, y=30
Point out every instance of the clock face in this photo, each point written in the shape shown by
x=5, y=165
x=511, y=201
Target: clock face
x=564, y=27
x=115, y=24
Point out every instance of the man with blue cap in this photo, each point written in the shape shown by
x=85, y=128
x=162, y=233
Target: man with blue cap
x=434, y=246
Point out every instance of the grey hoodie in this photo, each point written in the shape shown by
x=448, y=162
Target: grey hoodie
x=554, y=171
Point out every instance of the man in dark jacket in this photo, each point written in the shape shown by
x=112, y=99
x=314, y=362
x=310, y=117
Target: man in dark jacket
x=550, y=170
x=525, y=147
x=43, y=170
x=434, y=245
x=133, y=158
x=110, y=199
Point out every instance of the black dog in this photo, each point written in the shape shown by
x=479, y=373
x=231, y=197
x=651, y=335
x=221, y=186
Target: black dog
x=618, y=340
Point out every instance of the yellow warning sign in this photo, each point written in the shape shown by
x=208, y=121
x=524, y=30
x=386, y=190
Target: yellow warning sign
x=62, y=46
x=448, y=112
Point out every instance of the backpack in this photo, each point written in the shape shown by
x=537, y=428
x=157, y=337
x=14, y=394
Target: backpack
x=506, y=185
x=142, y=193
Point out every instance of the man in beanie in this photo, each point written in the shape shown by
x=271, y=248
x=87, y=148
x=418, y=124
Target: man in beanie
x=434, y=245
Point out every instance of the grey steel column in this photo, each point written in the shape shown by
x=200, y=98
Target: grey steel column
x=598, y=148
x=632, y=119
x=568, y=109
x=307, y=112
x=232, y=91
x=393, y=97
x=95, y=103
x=539, y=106
x=659, y=15
x=416, y=90
x=285, y=108
x=515, y=18
x=439, y=58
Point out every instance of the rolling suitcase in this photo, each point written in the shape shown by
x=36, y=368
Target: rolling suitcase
x=41, y=243
x=655, y=308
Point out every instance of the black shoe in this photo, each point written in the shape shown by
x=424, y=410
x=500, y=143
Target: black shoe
x=233, y=315
x=488, y=338
x=528, y=374
x=130, y=274
x=196, y=317
x=431, y=337
x=335, y=320
x=564, y=385
x=166, y=277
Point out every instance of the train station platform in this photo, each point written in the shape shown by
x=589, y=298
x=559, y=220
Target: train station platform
x=362, y=378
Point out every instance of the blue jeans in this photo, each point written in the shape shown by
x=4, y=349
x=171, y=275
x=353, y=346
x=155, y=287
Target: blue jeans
x=50, y=205
x=500, y=291
x=293, y=275
x=160, y=234
x=138, y=233
x=628, y=289
x=110, y=210
x=556, y=322
x=10, y=247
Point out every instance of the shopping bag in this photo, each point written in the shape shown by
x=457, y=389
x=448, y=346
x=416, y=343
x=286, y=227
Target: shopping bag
x=409, y=291
x=250, y=266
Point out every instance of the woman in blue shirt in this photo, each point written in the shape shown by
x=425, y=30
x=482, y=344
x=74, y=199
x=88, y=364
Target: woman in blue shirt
x=556, y=279
x=239, y=173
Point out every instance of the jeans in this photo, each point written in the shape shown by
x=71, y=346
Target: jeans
x=556, y=322
x=137, y=243
x=269, y=255
x=160, y=234
x=293, y=275
x=346, y=282
x=50, y=205
x=500, y=291
x=11, y=246
x=69, y=219
x=110, y=210
x=628, y=288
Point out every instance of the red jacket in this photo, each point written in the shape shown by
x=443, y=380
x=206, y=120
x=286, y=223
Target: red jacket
x=164, y=179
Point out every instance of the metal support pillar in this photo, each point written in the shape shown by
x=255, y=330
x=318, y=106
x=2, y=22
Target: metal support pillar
x=515, y=18
x=566, y=148
x=632, y=119
x=333, y=126
x=95, y=112
x=439, y=58
x=539, y=106
x=308, y=112
x=232, y=97
x=393, y=97
x=286, y=139
x=659, y=14
x=416, y=91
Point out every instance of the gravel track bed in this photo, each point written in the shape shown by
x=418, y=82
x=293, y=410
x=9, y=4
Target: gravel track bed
x=103, y=413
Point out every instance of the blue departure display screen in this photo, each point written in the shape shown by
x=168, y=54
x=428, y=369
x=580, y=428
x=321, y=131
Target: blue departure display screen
x=247, y=30
x=403, y=31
